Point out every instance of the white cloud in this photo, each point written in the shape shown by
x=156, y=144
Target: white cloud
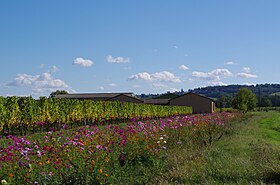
x=230, y=63
x=83, y=62
x=246, y=75
x=143, y=76
x=175, y=47
x=246, y=69
x=111, y=59
x=186, y=55
x=101, y=88
x=42, y=66
x=39, y=84
x=163, y=76
x=112, y=84
x=183, y=67
x=214, y=75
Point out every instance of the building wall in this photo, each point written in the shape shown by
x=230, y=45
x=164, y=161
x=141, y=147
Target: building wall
x=123, y=98
x=198, y=103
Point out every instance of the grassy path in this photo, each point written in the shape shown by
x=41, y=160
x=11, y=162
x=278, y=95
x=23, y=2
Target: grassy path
x=248, y=154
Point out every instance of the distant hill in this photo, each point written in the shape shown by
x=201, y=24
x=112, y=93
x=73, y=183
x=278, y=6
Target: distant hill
x=259, y=90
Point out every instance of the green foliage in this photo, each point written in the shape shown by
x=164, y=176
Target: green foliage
x=265, y=102
x=57, y=92
x=224, y=101
x=245, y=100
x=27, y=114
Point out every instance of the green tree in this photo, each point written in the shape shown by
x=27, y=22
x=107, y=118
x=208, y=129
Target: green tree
x=245, y=100
x=224, y=101
x=53, y=94
x=265, y=102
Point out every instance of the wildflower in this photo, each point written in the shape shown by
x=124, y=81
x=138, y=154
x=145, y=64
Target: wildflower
x=99, y=147
x=101, y=171
x=4, y=182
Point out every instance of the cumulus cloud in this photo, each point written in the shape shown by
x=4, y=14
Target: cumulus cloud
x=214, y=75
x=183, y=67
x=230, y=63
x=111, y=59
x=39, y=84
x=82, y=62
x=246, y=75
x=163, y=76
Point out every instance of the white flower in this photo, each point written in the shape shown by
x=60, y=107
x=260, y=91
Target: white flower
x=4, y=182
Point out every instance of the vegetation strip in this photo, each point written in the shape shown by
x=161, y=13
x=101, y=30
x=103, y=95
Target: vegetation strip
x=133, y=153
x=22, y=115
x=248, y=153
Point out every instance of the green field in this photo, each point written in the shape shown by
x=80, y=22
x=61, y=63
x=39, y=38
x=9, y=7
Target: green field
x=248, y=154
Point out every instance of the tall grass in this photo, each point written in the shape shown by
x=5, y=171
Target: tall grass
x=248, y=153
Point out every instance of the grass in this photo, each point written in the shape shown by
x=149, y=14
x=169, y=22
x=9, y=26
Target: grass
x=248, y=154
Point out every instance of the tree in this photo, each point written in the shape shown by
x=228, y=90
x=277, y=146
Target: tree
x=265, y=102
x=57, y=92
x=245, y=100
x=225, y=101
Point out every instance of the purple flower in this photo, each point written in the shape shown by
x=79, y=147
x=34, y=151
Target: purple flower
x=99, y=147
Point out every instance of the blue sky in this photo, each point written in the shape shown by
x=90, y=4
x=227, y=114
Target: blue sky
x=137, y=46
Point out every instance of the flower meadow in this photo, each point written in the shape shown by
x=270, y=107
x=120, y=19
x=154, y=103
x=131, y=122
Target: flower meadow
x=107, y=154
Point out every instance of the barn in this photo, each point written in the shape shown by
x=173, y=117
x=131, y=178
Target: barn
x=157, y=101
x=123, y=97
x=199, y=103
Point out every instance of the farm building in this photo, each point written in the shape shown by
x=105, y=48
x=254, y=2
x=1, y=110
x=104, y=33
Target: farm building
x=199, y=103
x=123, y=97
x=157, y=101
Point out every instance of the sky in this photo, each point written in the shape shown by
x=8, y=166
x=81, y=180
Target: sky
x=140, y=46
